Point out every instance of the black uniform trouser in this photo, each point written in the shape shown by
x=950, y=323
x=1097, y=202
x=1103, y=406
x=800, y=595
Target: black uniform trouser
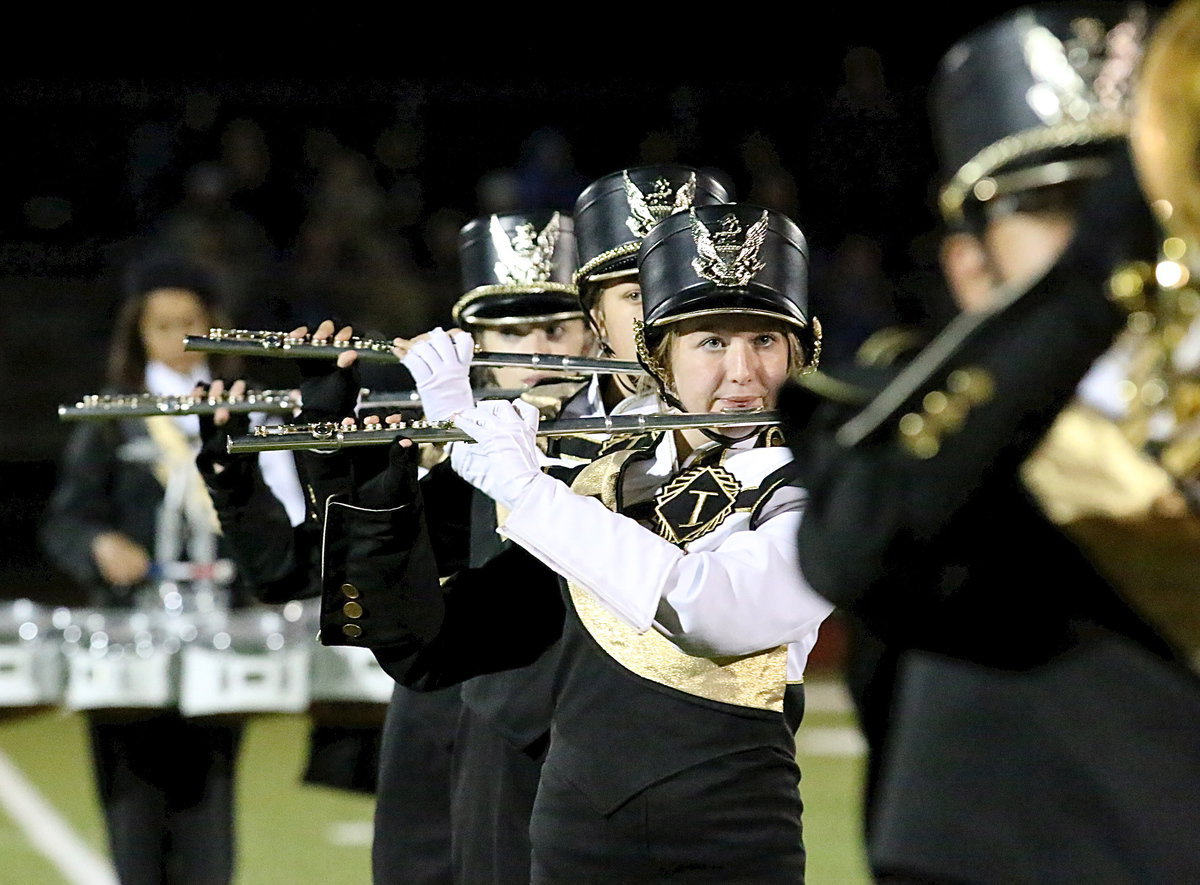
x=411, y=845
x=495, y=784
x=166, y=785
x=734, y=820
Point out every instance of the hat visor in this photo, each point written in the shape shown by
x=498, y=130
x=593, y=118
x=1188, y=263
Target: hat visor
x=713, y=300
x=513, y=308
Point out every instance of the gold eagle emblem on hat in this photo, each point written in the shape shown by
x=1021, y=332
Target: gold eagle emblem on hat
x=528, y=256
x=725, y=256
x=648, y=209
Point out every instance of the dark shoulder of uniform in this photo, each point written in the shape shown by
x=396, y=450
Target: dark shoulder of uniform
x=826, y=395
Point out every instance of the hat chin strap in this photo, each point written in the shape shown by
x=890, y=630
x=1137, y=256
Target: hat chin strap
x=653, y=367
x=725, y=440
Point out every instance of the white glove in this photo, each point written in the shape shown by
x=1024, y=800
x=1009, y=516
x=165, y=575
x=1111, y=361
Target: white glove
x=441, y=366
x=504, y=459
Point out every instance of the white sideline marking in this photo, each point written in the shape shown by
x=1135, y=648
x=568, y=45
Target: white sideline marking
x=826, y=696
x=826, y=740
x=48, y=832
x=350, y=833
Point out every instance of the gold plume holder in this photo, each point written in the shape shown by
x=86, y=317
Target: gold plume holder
x=248, y=343
x=326, y=437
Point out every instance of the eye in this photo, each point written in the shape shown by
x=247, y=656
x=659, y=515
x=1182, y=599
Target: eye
x=555, y=332
x=712, y=342
x=767, y=339
x=634, y=297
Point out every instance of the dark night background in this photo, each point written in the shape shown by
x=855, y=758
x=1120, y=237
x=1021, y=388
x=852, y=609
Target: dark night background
x=325, y=163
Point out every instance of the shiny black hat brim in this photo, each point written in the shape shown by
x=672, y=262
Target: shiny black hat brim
x=511, y=308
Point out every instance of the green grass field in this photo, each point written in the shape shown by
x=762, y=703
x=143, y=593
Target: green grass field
x=296, y=834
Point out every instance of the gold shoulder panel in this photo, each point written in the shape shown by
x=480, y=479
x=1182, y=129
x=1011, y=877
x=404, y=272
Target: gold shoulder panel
x=549, y=398
x=600, y=478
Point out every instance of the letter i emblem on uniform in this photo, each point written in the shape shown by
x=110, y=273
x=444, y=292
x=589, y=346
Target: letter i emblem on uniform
x=695, y=503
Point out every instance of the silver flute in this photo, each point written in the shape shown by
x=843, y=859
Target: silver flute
x=149, y=405
x=244, y=342
x=323, y=437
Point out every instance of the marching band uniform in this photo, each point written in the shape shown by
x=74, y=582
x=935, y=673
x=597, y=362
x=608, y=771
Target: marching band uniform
x=166, y=781
x=502, y=731
x=641, y=729
x=157, y=773
x=1027, y=723
x=444, y=769
x=505, y=724
x=410, y=749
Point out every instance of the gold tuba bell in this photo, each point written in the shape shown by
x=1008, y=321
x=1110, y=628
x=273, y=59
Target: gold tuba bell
x=1127, y=489
x=1163, y=389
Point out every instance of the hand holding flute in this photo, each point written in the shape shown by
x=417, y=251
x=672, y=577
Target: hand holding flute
x=215, y=461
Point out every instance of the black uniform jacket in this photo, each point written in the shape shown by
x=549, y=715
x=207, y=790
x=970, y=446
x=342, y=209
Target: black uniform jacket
x=504, y=615
x=1025, y=723
x=106, y=482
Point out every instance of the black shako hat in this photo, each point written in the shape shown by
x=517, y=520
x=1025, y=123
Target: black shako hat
x=1032, y=98
x=517, y=268
x=721, y=259
x=614, y=213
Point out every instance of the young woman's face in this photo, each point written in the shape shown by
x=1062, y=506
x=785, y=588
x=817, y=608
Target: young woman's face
x=729, y=363
x=617, y=306
x=564, y=337
x=170, y=315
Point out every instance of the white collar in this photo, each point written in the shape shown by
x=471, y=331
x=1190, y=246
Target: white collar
x=163, y=380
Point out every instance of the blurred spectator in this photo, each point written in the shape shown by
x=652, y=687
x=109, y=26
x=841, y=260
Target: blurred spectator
x=445, y=275
x=771, y=185
x=657, y=148
x=546, y=175
x=862, y=152
x=348, y=262
x=399, y=151
x=162, y=146
x=255, y=186
x=205, y=227
x=854, y=295
x=498, y=192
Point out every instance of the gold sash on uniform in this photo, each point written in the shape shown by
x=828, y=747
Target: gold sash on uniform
x=177, y=451
x=756, y=680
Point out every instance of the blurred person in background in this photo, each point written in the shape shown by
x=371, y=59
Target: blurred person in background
x=128, y=502
x=1020, y=665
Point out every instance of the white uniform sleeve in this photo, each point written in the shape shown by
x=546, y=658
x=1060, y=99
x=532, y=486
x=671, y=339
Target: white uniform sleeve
x=279, y=473
x=742, y=594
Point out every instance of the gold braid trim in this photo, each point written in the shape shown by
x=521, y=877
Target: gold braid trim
x=1013, y=147
x=815, y=360
x=622, y=251
x=480, y=292
x=653, y=366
